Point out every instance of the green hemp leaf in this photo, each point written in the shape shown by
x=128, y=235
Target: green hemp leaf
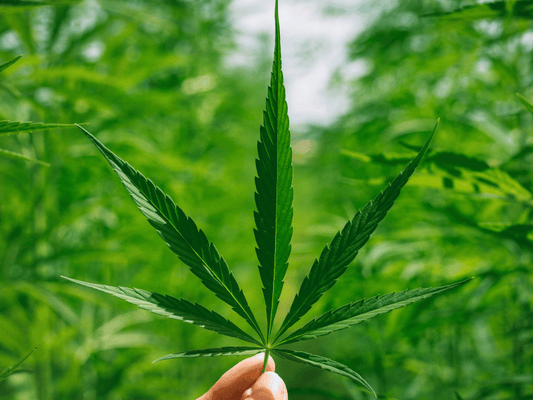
x=273, y=232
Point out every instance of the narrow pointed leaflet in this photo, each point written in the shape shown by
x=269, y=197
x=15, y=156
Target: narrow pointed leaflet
x=172, y=307
x=9, y=63
x=324, y=363
x=181, y=234
x=274, y=194
x=525, y=102
x=362, y=310
x=18, y=156
x=221, y=351
x=336, y=256
x=13, y=368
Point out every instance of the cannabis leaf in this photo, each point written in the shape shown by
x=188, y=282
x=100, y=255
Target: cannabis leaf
x=273, y=232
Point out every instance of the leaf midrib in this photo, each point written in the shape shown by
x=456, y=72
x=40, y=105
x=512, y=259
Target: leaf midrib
x=279, y=107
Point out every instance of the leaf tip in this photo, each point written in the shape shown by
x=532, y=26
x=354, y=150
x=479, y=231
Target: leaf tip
x=90, y=136
x=436, y=126
x=68, y=279
x=81, y=128
x=85, y=131
x=159, y=359
x=276, y=20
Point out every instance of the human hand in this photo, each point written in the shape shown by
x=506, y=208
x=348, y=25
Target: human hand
x=245, y=382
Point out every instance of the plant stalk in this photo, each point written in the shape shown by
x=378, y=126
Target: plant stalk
x=267, y=354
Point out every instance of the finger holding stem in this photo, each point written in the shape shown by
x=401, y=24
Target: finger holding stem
x=240, y=378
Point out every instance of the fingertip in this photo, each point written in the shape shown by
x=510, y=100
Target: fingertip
x=240, y=377
x=260, y=359
x=268, y=386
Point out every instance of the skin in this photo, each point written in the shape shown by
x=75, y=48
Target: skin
x=245, y=382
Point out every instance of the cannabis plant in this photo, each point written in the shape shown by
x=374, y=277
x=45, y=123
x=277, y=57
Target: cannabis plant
x=273, y=221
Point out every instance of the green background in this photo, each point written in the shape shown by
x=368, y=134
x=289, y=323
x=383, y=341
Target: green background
x=149, y=78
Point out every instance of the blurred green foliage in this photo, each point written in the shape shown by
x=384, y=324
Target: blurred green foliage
x=150, y=78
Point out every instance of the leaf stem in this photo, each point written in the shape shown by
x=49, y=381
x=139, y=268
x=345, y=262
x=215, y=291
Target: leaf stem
x=267, y=354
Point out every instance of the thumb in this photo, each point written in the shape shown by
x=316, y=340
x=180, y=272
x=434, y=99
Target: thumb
x=269, y=386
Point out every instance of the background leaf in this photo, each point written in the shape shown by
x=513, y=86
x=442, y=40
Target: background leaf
x=17, y=156
x=490, y=9
x=13, y=368
x=525, y=102
x=12, y=128
x=459, y=173
x=9, y=63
